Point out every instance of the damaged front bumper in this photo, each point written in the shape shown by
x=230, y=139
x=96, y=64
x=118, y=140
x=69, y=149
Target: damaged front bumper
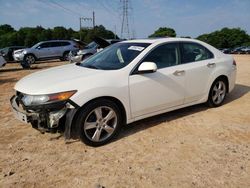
x=53, y=117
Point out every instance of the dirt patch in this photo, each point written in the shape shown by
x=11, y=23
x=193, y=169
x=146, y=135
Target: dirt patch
x=192, y=147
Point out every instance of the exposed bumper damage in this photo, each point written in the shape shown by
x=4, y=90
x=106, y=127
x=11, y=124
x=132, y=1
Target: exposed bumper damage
x=54, y=117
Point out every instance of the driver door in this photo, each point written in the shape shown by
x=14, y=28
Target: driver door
x=163, y=89
x=44, y=50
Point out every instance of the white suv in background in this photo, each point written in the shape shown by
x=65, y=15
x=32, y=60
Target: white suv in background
x=53, y=49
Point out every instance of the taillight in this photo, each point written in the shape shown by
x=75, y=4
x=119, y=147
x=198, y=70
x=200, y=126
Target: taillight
x=234, y=63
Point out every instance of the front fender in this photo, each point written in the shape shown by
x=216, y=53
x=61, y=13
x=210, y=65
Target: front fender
x=120, y=94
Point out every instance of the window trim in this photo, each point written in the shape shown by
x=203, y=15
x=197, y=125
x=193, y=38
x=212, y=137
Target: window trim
x=134, y=71
x=195, y=43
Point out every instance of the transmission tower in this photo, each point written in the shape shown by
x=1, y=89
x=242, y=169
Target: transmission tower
x=125, y=21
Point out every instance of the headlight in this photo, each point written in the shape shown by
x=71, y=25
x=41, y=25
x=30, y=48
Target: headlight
x=30, y=100
x=19, y=52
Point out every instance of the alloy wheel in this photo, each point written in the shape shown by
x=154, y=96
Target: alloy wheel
x=219, y=92
x=30, y=59
x=100, y=124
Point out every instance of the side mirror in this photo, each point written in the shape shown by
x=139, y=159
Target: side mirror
x=38, y=47
x=147, y=67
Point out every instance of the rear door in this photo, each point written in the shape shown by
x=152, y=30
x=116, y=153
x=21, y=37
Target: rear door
x=56, y=49
x=198, y=63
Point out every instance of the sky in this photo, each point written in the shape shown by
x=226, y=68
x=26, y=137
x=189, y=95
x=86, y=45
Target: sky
x=187, y=17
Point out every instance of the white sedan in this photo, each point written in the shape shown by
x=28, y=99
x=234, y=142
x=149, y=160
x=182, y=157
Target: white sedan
x=125, y=82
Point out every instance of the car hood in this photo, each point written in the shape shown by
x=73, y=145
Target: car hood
x=101, y=42
x=19, y=50
x=57, y=79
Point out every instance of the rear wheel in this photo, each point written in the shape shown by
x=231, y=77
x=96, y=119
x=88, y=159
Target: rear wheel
x=65, y=56
x=217, y=93
x=99, y=122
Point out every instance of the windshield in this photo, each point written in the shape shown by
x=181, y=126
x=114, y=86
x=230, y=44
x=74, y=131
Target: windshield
x=91, y=45
x=115, y=56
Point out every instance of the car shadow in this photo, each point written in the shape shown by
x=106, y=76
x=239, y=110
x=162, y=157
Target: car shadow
x=238, y=92
x=8, y=80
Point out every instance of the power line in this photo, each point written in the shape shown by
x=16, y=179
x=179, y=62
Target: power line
x=64, y=8
x=106, y=8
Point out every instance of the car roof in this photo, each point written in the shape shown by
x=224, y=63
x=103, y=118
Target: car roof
x=57, y=41
x=160, y=40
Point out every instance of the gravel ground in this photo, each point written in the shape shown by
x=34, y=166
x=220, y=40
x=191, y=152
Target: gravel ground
x=192, y=147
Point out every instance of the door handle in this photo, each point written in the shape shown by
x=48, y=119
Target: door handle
x=211, y=65
x=179, y=72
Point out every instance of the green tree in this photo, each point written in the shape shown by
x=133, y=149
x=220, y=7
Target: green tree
x=5, y=28
x=28, y=36
x=163, y=32
x=226, y=38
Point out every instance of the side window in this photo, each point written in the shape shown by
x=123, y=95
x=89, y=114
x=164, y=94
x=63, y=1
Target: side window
x=65, y=43
x=165, y=55
x=45, y=45
x=55, y=44
x=192, y=52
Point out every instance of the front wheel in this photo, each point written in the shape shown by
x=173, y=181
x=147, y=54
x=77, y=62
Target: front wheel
x=29, y=59
x=99, y=122
x=217, y=93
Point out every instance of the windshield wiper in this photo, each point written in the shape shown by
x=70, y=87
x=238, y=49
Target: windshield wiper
x=91, y=66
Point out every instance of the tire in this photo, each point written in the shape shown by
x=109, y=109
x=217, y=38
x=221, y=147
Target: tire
x=65, y=56
x=99, y=122
x=217, y=93
x=25, y=65
x=29, y=59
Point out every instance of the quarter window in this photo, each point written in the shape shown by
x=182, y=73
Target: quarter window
x=192, y=52
x=163, y=56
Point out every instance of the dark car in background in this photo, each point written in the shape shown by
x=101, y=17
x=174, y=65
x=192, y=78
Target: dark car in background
x=97, y=44
x=246, y=50
x=7, y=52
x=225, y=50
x=238, y=50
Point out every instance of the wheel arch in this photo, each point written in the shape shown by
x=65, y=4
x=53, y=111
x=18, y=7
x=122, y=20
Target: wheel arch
x=31, y=54
x=222, y=77
x=66, y=51
x=113, y=99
